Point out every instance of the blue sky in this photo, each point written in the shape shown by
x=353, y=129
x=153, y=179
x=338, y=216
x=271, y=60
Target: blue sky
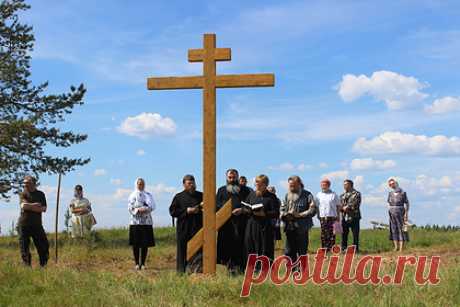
x=365, y=90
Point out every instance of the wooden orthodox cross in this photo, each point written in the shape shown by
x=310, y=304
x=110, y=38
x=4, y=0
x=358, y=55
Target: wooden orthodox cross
x=209, y=81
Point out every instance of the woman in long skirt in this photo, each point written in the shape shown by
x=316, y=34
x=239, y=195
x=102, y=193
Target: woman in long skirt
x=398, y=211
x=82, y=218
x=140, y=205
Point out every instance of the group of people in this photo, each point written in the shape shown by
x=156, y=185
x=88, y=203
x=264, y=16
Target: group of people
x=253, y=228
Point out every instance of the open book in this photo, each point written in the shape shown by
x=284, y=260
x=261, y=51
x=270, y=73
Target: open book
x=253, y=207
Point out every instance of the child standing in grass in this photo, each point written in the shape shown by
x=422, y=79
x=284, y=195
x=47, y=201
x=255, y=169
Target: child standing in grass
x=140, y=205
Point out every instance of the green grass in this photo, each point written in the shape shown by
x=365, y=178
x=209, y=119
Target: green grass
x=98, y=272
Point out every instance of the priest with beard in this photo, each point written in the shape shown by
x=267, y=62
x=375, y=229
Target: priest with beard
x=186, y=207
x=259, y=234
x=230, y=239
x=297, y=210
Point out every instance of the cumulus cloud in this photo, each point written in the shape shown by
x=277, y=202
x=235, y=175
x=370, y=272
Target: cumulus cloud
x=455, y=212
x=444, y=105
x=371, y=164
x=140, y=152
x=342, y=174
x=100, y=172
x=374, y=200
x=146, y=125
x=290, y=167
x=398, y=143
x=395, y=90
x=359, y=182
x=431, y=186
x=115, y=181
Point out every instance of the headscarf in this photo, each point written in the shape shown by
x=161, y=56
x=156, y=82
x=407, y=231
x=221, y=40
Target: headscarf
x=78, y=192
x=396, y=189
x=138, y=195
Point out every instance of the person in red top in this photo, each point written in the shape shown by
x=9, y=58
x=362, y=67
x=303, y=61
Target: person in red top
x=33, y=204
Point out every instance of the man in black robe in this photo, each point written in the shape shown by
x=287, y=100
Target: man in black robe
x=186, y=207
x=259, y=234
x=230, y=238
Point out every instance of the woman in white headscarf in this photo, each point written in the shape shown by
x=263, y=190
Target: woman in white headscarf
x=82, y=219
x=398, y=211
x=140, y=205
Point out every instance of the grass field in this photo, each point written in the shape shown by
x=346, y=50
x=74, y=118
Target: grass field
x=99, y=272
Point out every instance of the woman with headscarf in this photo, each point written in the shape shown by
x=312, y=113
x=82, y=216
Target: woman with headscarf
x=398, y=211
x=140, y=205
x=82, y=218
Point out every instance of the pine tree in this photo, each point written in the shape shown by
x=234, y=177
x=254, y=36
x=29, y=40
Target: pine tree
x=28, y=115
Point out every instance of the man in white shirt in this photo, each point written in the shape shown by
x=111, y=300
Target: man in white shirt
x=328, y=213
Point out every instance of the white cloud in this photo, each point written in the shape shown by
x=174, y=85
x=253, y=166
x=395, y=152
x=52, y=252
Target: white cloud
x=116, y=181
x=359, y=182
x=146, y=125
x=323, y=165
x=289, y=167
x=444, y=105
x=122, y=193
x=100, y=172
x=431, y=186
x=370, y=164
x=395, y=90
x=455, y=213
x=140, y=152
x=161, y=188
x=424, y=185
x=343, y=174
x=397, y=143
x=374, y=200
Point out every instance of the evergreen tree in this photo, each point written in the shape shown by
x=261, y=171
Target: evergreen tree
x=28, y=115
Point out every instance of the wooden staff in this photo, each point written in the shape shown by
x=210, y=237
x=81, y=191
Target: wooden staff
x=57, y=218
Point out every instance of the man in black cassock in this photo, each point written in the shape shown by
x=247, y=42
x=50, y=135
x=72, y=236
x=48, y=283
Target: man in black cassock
x=186, y=208
x=259, y=234
x=230, y=238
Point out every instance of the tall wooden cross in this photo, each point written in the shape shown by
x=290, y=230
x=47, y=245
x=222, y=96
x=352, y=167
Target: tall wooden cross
x=209, y=81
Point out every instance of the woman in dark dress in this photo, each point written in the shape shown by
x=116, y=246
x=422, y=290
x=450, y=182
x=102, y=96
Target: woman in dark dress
x=140, y=205
x=398, y=210
x=259, y=233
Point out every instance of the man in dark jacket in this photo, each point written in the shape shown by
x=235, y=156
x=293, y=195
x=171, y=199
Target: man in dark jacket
x=186, y=207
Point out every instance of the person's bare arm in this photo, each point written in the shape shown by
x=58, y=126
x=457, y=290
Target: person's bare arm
x=80, y=210
x=311, y=210
x=34, y=207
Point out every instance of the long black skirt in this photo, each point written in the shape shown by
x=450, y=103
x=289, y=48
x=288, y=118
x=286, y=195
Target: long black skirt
x=141, y=235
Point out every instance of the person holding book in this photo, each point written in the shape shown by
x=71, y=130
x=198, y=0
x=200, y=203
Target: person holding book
x=230, y=238
x=186, y=206
x=82, y=218
x=297, y=210
x=33, y=204
x=141, y=237
x=261, y=206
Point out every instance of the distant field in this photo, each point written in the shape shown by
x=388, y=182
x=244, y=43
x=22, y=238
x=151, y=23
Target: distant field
x=99, y=272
